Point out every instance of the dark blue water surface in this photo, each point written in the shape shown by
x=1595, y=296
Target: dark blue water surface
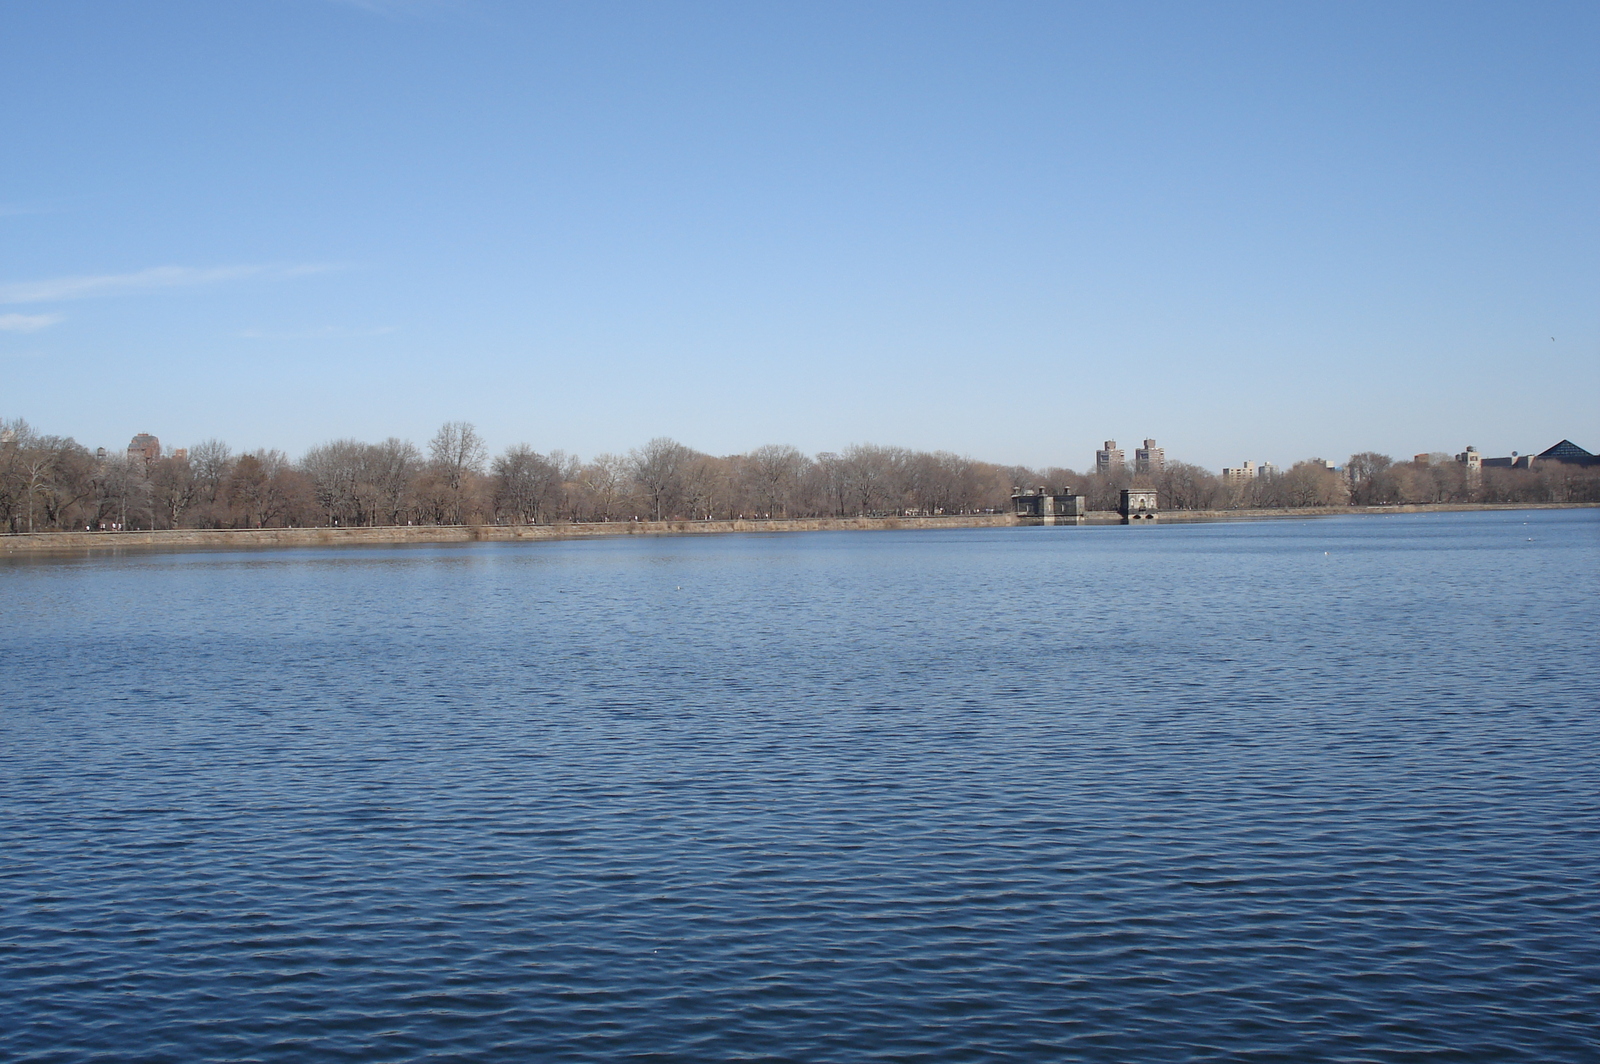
x=1296, y=791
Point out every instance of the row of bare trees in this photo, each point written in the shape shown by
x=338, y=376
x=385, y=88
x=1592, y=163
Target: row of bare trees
x=1378, y=480
x=1181, y=486
x=51, y=482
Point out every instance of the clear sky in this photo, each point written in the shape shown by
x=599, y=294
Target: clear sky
x=1012, y=230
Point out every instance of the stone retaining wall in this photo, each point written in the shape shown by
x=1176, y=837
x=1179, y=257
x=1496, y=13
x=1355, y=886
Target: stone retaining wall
x=239, y=538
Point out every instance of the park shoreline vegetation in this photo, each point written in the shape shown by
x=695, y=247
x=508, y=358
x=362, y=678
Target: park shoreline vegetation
x=54, y=485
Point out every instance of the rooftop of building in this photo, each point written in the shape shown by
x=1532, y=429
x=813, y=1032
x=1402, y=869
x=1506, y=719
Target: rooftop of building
x=1567, y=451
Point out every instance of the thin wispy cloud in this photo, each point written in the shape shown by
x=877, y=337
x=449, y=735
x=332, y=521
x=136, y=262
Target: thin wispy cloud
x=326, y=332
x=27, y=323
x=154, y=279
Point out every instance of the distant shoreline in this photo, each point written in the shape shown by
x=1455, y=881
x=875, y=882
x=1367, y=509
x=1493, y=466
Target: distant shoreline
x=17, y=543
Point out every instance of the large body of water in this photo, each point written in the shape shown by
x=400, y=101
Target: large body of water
x=1287, y=791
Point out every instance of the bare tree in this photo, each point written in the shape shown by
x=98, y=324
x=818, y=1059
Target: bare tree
x=362, y=484
x=65, y=496
x=1311, y=483
x=173, y=487
x=456, y=456
x=1364, y=471
x=266, y=490
x=247, y=489
x=121, y=489
x=33, y=465
x=706, y=484
x=336, y=473
x=212, y=461
x=525, y=482
x=392, y=467
x=659, y=467
x=873, y=476
x=831, y=481
x=1181, y=486
x=16, y=443
x=775, y=472
x=566, y=489
x=940, y=482
x=288, y=494
x=604, y=484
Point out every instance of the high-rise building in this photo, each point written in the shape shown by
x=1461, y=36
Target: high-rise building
x=145, y=446
x=1149, y=458
x=1109, y=459
x=1239, y=474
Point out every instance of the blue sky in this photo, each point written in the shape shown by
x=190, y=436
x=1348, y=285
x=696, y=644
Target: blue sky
x=1011, y=230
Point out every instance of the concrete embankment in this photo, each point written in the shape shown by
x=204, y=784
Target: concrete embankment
x=245, y=538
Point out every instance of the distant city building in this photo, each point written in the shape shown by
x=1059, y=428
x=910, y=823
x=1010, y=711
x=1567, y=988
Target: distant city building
x=1239, y=474
x=1267, y=469
x=145, y=446
x=181, y=454
x=1149, y=458
x=1109, y=459
x=1474, y=463
x=1568, y=453
x=1422, y=459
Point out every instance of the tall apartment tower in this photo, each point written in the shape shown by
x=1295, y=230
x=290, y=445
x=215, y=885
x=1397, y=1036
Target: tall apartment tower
x=1149, y=458
x=1109, y=458
x=1239, y=474
x=144, y=446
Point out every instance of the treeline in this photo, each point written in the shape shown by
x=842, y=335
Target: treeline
x=50, y=482
x=1378, y=480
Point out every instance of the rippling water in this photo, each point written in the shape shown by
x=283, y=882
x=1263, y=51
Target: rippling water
x=1291, y=791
